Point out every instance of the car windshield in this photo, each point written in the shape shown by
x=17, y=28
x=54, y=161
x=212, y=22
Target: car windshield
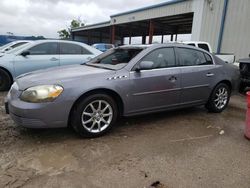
x=114, y=59
x=6, y=45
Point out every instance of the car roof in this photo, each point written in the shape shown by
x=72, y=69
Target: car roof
x=57, y=40
x=175, y=44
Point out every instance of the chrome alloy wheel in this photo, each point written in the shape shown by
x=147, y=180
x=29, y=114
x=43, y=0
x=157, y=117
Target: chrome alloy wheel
x=97, y=116
x=221, y=97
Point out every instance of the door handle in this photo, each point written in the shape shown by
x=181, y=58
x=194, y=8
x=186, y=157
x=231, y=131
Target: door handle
x=210, y=74
x=172, y=79
x=54, y=59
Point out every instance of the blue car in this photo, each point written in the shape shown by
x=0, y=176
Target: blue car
x=42, y=54
x=103, y=47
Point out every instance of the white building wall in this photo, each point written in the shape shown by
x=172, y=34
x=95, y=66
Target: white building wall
x=236, y=37
x=211, y=22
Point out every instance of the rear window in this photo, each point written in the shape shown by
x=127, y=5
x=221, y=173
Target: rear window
x=190, y=57
x=204, y=47
x=191, y=44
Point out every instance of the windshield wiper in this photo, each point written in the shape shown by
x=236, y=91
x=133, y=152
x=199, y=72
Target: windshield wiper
x=91, y=65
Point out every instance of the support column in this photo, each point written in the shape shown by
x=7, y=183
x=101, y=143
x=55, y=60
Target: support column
x=172, y=37
x=143, y=39
x=151, y=31
x=122, y=39
x=129, y=42
x=162, y=38
x=112, y=39
x=100, y=37
x=176, y=37
x=89, y=37
x=72, y=36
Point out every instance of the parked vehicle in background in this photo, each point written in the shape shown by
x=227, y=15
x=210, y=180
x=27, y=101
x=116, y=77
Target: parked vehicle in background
x=103, y=47
x=12, y=45
x=126, y=81
x=228, y=58
x=42, y=54
x=244, y=65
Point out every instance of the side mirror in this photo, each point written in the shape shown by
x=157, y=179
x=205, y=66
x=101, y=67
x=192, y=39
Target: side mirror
x=25, y=53
x=146, y=65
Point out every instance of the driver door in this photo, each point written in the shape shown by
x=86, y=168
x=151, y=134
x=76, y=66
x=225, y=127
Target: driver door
x=41, y=56
x=157, y=87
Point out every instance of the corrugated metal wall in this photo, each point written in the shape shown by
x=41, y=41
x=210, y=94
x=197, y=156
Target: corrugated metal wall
x=211, y=22
x=167, y=10
x=236, y=37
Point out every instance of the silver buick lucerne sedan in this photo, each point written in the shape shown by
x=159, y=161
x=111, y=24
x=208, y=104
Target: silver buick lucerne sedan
x=124, y=81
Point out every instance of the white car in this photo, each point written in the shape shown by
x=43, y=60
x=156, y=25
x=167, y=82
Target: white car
x=41, y=54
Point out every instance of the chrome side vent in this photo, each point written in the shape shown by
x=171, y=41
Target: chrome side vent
x=116, y=77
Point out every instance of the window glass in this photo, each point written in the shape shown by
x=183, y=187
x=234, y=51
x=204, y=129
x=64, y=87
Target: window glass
x=191, y=44
x=44, y=49
x=67, y=48
x=18, y=44
x=161, y=58
x=108, y=46
x=119, y=56
x=190, y=57
x=204, y=47
x=209, y=59
x=114, y=59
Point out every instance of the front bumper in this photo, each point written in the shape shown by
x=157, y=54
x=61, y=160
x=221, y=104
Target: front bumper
x=37, y=115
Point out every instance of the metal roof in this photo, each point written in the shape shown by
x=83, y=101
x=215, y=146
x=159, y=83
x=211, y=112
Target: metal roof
x=148, y=7
x=92, y=26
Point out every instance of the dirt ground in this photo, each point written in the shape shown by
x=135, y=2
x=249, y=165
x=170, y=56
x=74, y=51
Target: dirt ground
x=181, y=148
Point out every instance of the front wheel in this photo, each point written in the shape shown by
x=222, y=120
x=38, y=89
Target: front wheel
x=95, y=115
x=5, y=80
x=219, y=98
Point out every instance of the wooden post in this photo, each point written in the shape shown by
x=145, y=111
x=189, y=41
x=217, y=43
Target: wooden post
x=176, y=37
x=162, y=38
x=112, y=41
x=151, y=31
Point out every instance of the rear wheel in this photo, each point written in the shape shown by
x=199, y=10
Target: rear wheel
x=95, y=115
x=219, y=98
x=5, y=80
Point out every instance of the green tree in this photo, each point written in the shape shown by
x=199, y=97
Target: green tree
x=65, y=33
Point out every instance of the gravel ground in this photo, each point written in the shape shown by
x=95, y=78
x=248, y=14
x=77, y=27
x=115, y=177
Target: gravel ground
x=184, y=148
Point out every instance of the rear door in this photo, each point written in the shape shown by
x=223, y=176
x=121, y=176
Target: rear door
x=158, y=87
x=73, y=54
x=44, y=55
x=197, y=75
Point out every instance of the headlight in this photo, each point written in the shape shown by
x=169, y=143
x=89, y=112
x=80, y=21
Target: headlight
x=43, y=93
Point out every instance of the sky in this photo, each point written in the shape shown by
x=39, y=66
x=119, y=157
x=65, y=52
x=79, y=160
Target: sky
x=46, y=17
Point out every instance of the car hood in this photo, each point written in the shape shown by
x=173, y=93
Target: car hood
x=58, y=75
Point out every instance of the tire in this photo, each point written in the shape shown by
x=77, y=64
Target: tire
x=244, y=69
x=219, y=98
x=242, y=87
x=89, y=119
x=5, y=80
